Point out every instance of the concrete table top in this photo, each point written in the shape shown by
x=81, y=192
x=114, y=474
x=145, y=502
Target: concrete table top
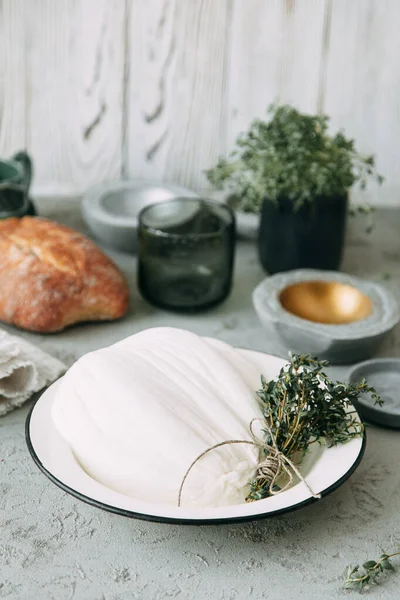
x=54, y=547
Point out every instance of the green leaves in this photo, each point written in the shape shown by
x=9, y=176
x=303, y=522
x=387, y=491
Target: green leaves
x=303, y=406
x=369, y=564
x=372, y=569
x=387, y=565
x=291, y=156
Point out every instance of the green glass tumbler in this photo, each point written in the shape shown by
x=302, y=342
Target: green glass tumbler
x=186, y=249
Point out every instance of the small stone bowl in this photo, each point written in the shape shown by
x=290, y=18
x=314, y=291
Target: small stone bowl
x=111, y=210
x=331, y=315
x=384, y=375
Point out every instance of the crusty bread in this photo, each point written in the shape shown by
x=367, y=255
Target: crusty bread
x=52, y=276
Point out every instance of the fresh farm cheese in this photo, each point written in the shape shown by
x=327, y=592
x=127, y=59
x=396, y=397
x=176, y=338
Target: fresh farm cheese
x=138, y=413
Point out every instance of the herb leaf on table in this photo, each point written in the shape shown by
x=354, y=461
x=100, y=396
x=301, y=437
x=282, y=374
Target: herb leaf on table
x=358, y=578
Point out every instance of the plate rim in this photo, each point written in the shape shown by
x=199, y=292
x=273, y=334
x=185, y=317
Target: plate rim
x=183, y=521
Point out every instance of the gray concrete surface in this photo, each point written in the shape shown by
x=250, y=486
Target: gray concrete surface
x=54, y=547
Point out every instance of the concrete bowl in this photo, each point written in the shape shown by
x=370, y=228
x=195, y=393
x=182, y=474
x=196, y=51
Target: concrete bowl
x=111, y=210
x=384, y=375
x=338, y=342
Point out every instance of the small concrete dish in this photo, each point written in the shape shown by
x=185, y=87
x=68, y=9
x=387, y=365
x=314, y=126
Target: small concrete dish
x=111, y=210
x=330, y=315
x=384, y=375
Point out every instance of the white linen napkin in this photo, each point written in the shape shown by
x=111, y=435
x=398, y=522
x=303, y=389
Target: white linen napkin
x=24, y=370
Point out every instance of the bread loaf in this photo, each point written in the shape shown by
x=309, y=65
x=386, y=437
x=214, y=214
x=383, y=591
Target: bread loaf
x=52, y=276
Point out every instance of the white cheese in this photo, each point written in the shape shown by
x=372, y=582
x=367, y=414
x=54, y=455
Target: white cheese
x=138, y=413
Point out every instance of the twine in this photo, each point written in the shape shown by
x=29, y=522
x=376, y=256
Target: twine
x=268, y=469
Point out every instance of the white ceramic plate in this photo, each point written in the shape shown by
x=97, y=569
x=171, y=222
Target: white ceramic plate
x=325, y=469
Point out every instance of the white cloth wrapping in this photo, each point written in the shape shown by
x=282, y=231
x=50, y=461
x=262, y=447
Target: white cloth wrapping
x=138, y=413
x=24, y=370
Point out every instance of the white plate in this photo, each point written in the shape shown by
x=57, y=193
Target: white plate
x=325, y=469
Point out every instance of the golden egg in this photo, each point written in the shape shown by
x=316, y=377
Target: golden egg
x=326, y=302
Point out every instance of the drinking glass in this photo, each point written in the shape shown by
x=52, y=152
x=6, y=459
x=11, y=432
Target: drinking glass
x=186, y=252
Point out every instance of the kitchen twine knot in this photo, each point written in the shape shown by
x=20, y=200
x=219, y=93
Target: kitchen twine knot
x=268, y=469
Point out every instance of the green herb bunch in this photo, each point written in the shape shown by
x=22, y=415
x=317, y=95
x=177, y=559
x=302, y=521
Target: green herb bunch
x=359, y=579
x=291, y=156
x=303, y=406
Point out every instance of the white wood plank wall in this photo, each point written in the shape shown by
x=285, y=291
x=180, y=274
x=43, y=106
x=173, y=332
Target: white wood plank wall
x=98, y=90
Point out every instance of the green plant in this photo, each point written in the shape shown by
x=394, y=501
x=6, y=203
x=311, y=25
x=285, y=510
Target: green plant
x=357, y=579
x=303, y=406
x=292, y=155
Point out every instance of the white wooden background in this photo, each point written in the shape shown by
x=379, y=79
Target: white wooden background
x=99, y=89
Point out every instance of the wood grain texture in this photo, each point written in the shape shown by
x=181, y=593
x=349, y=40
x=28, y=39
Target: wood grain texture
x=362, y=92
x=14, y=95
x=276, y=50
x=75, y=75
x=176, y=101
x=160, y=88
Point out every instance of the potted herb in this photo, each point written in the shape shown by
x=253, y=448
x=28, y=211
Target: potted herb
x=298, y=176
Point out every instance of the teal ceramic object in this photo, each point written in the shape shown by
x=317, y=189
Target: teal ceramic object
x=15, y=180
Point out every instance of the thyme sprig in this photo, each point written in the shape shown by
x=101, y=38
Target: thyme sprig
x=302, y=406
x=291, y=155
x=358, y=578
